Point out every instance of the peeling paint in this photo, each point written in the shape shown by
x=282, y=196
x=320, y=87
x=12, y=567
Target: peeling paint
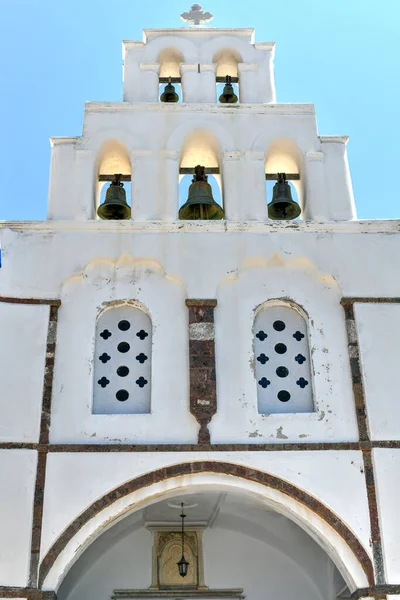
x=280, y=435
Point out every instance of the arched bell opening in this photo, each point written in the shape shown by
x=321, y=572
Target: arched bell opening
x=227, y=75
x=284, y=185
x=200, y=182
x=113, y=189
x=170, y=84
x=233, y=539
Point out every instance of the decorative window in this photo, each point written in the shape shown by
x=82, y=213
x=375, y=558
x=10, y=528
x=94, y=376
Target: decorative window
x=282, y=361
x=122, y=361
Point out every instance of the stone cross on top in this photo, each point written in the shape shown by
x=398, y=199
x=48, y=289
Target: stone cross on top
x=196, y=15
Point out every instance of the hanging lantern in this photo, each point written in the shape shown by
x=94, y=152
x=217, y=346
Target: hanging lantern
x=183, y=564
x=282, y=206
x=228, y=96
x=169, y=94
x=115, y=206
x=200, y=203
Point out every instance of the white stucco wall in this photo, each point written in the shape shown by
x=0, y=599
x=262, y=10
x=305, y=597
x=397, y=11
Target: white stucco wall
x=379, y=334
x=22, y=356
x=387, y=464
x=17, y=480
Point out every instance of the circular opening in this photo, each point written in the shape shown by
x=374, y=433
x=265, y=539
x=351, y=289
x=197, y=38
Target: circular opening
x=123, y=347
x=122, y=395
x=282, y=372
x=280, y=348
x=283, y=396
x=124, y=325
x=123, y=371
x=279, y=325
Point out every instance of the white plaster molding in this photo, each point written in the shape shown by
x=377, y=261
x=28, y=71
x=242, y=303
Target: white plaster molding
x=272, y=109
x=170, y=154
x=63, y=141
x=336, y=139
x=248, y=66
x=189, y=67
x=138, y=154
x=315, y=156
x=208, y=67
x=231, y=155
x=255, y=155
x=150, y=67
x=270, y=46
x=283, y=227
x=198, y=32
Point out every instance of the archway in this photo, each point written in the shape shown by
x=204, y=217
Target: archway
x=333, y=537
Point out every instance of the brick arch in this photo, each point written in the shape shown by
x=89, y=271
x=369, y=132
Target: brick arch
x=238, y=471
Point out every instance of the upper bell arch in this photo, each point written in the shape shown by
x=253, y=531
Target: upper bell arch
x=316, y=518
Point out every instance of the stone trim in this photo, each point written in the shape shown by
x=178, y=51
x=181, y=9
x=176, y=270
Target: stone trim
x=29, y=593
x=377, y=591
x=43, y=441
x=50, y=301
x=240, y=471
x=285, y=447
x=364, y=432
x=203, y=391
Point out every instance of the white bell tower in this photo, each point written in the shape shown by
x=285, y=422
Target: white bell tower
x=216, y=349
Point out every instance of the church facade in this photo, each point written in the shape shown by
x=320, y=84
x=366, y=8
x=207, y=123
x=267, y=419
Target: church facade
x=223, y=348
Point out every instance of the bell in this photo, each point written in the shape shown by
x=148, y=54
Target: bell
x=228, y=96
x=115, y=206
x=169, y=94
x=282, y=206
x=200, y=203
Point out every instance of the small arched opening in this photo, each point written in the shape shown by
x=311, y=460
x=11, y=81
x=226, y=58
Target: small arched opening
x=170, y=60
x=226, y=61
x=113, y=161
x=201, y=148
x=282, y=359
x=122, y=360
x=283, y=157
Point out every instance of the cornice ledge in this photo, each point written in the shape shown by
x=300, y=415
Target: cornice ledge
x=336, y=139
x=63, y=141
x=281, y=109
x=282, y=227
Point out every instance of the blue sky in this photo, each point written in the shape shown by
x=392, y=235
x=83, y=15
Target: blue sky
x=343, y=55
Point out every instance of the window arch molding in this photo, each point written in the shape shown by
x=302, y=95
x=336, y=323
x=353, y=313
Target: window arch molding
x=105, y=283
x=240, y=296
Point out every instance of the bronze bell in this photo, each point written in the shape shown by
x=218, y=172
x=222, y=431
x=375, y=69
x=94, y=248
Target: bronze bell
x=200, y=203
x=169, y=94
x=228, y=96
x=282, y=206
x=115, y=206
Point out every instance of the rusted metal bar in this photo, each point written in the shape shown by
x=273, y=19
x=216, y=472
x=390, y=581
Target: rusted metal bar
x=173, y=79
x=190, y=170
x=112, y=177
x=288, y=176
x=223, y=79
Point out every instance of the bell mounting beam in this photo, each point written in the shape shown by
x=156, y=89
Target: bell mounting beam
x=191, y=171
x=112, y=177
x=288, y=176
x=179, y=79
x=209, y=171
